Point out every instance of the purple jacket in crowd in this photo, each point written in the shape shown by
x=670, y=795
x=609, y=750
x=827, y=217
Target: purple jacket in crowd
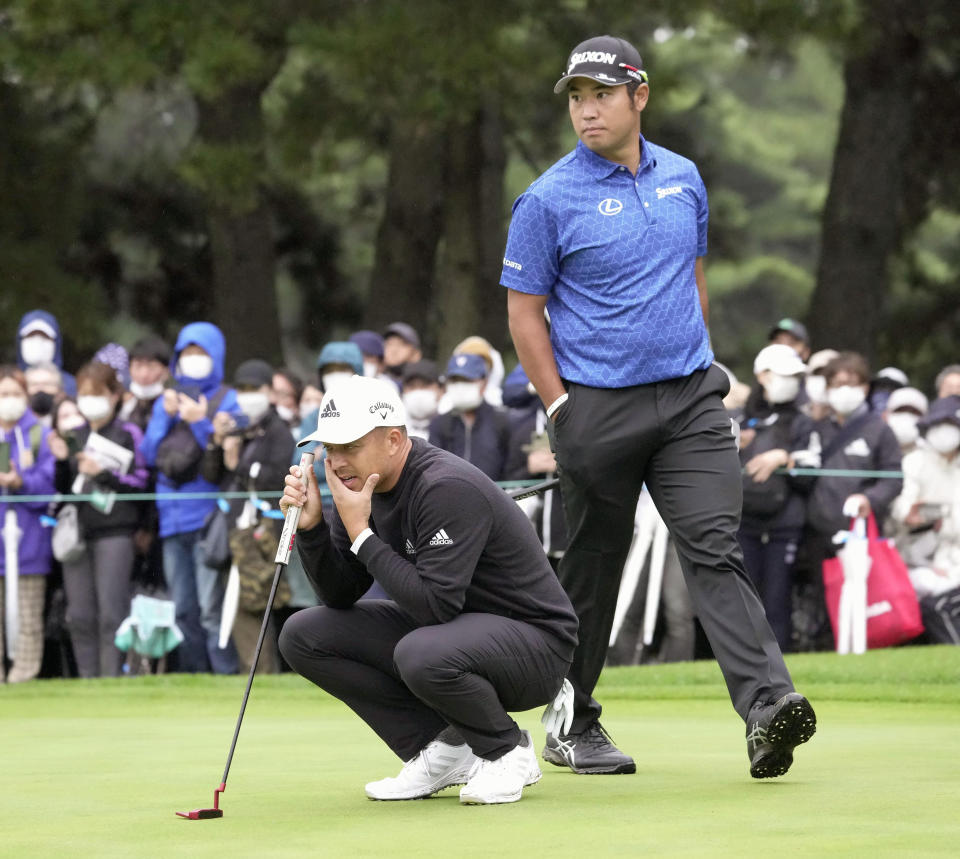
x=37, y=474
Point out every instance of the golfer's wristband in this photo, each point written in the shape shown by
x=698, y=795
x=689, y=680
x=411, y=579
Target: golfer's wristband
x=361, y=537
x=559, y=401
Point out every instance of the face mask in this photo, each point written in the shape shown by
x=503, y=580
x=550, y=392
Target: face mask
x=253, y=404
x=12, y=408
x=464, y=396
x=41, y=403
x=331, y=380
x=94, y=409
x=195, y=366
x=944, y=438
x=421, y=403
x=816, y=388
x=781, y=389
x=371, y=368
x=286, y=414
x=904, y=426
x=846, y=399
x=37, y=349
x=146, y=392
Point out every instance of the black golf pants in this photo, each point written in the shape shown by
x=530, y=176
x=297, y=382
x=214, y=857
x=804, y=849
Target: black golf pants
x=676, y=437
x=409, y=682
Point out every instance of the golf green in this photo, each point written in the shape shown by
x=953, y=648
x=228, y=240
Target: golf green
x=98, y=768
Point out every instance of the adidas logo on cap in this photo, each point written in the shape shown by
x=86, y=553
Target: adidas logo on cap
x=441, y=538
x=329, y=411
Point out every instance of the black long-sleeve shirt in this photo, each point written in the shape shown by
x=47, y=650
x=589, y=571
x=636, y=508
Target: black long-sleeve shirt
x=446, y=540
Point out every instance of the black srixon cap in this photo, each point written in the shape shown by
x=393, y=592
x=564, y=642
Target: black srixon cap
x=605, y=59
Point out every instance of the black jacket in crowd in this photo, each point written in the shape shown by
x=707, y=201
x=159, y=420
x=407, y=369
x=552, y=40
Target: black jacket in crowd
x=869, y=445
x=266, y=454
x=777, y=505
x=486, y=444
x=125, y=516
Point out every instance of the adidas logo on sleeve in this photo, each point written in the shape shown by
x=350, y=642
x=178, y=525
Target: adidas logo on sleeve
x=411, y=549
x=441, y=538
x=329, y=411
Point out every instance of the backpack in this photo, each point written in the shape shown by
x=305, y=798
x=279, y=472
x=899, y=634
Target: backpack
x=178, y=454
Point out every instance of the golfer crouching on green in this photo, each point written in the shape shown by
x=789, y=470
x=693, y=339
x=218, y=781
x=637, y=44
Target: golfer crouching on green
x=476, y=625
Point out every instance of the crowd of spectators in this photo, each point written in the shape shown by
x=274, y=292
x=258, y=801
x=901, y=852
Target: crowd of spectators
x=161, y=420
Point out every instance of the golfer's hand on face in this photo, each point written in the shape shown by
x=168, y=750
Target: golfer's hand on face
x=294, y=495
x=353, y=507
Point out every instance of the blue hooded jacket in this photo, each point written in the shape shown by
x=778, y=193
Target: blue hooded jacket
x=182, y=515
x=68, y=381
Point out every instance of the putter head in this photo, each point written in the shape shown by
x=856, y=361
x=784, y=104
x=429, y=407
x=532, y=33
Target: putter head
x=201, y=813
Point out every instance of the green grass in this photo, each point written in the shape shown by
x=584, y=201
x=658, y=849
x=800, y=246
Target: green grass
x=98, y=768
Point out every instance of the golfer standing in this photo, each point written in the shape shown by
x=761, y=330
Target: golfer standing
x=476, y=624
x=610, y=241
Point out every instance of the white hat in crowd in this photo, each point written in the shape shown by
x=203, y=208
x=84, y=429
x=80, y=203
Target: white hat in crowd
x=907, y=398
x=819, y=360
x=780, y=359
x=354, y=407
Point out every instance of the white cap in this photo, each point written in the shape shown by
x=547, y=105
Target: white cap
x=354, y=407
x=38, y=326
x=819, y=360
x=779, y=358
x=907, y=398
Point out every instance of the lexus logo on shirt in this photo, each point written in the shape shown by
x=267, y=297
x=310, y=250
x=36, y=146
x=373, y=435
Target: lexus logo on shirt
x=610, y=206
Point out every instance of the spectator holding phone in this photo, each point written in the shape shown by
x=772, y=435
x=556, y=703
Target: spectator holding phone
x=26, y=468
x=106, y=460
x=177, y=435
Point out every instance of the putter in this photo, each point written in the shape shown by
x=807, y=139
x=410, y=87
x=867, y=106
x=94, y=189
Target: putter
x=283, y=558
x=536, y=489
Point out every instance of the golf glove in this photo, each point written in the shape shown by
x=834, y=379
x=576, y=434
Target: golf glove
x=558, y=714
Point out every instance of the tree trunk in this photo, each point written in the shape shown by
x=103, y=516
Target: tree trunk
x=402, y=279
x=468, y=296
x=240, y=227
x=863, y=216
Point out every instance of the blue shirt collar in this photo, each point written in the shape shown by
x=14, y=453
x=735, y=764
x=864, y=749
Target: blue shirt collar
x=600, y=168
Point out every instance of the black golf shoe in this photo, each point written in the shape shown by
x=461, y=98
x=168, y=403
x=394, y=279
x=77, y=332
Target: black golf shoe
x=774, y=730
x=590, y=752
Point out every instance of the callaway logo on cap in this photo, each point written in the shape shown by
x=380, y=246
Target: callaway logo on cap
x=605, y=59
x=362, y=404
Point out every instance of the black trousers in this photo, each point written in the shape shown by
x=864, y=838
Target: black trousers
x=676, y=437
x=409, y=683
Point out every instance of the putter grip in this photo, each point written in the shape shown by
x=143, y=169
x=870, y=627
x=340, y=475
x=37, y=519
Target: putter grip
x=293, y=517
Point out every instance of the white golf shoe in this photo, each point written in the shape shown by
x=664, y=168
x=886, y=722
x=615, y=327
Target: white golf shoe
x=437, y=766
x=504, y=779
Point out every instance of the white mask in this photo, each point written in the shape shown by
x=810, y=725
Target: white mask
x=94, y=409
x=253, y=404
x=421, y=403
x=464, y=396
x=195, y=366
x=12, y=408
x=904, y=426
x=781, y=389
x=371, y=368
x=846, y=399
x=146, y=392
x=286, y=414
x=944, y=438
x=37, y=349
x=816, y=388
x=331, y=380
